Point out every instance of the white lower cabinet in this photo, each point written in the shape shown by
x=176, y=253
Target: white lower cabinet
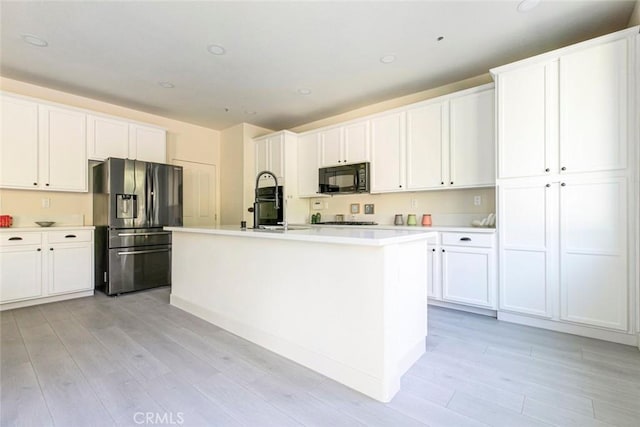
x=463, y=269
x=564, y=249
x=43, y=266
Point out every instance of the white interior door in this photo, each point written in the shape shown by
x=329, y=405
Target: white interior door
x=199, y=195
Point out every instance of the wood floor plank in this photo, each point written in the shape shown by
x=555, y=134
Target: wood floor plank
x=490, y=413
x=430, y=413
x=361, y=407
x=21, y=400
x=130, y=354
x=243, y=404
x=616, y=414
x=557, y=416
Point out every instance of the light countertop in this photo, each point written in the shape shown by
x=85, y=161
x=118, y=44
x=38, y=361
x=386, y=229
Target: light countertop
x=443, y=228
x=52, y=228
x=341, y=235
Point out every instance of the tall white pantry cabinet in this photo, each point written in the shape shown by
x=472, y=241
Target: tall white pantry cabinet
x=567, y=163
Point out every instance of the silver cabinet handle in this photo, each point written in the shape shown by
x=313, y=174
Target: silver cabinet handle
x=143, y=252
x=144, y=234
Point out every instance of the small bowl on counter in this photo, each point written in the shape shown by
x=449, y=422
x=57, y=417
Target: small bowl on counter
x=45, y=223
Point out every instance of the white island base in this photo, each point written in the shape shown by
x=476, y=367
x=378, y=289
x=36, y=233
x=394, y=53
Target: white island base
x=351, y=308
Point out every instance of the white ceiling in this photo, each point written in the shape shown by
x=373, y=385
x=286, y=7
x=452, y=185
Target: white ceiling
x=119, y=51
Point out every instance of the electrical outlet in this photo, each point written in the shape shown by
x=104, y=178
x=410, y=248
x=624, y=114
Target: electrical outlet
x=368, y=209
x=46, y=203
x=477, y=200
x=414, y=203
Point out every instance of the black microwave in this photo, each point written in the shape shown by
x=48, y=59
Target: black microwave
x=344, y=179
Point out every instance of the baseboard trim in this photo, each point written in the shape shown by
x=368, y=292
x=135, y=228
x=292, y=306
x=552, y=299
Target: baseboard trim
x=461, y=307
x=585, y=331
x=45, y=300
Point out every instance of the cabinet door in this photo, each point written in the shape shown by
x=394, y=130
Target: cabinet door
x=331, y=147
x=387, y=150
x=434, y=283
x=147, y=144
x=308, y=165
x=427, y=135
x=261, y=154
x=21, y=273
x=107, y=138
x=527, y=229
x=468, y=275
x=593, y=252
x=594, y=99
x=70, y=268
x=275, y=157
x=63, y=149
x=472, y=140
x=18, y=143
x=356, y=142
x=527, y=107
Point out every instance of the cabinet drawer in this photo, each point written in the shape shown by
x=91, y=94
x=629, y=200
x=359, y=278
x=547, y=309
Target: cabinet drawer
x=468, y=239
x=69, y=236
x=20, y=238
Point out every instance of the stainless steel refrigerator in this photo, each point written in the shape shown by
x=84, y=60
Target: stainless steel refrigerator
x=132, y=201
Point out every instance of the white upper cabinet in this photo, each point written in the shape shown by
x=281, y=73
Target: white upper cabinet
x=147, y=143
x=331, y=149
x=308, y=164
x=594, y=99
x=63, y=155
x=526, y=98
x=345, y=144
x=356, y=142
x=110, y=137
x=450, y=141
x=19, y=144
x=388, y=152
x=427, y=137
x=567, y=114
x=107, y=137
x=270, y=155
x=472, y=140
x=42, y=147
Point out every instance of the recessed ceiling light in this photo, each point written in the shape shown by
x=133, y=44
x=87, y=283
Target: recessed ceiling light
x=527, y=5
x=387, y=59
x=166, y=85
x=304, y=91
x=34, y=40
x=216, y=49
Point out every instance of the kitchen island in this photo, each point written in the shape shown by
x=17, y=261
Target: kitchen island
x=350, y=304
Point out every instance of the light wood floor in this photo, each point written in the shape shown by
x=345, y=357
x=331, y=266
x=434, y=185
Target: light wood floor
x=105, y=361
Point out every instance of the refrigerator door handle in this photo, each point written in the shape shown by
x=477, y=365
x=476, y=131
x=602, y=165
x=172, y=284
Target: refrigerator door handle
x=144, y=234
x=144, y=252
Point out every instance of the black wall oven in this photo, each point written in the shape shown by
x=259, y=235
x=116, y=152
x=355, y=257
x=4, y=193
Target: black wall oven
x=267, y=212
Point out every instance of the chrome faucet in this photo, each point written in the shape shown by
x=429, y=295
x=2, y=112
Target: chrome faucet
x=258, y=199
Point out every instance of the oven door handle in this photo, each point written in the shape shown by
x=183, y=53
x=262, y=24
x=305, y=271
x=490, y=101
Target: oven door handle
x=153, y=251
x=157, y=233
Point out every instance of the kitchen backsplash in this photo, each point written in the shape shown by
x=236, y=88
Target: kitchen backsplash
x=447, y=207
